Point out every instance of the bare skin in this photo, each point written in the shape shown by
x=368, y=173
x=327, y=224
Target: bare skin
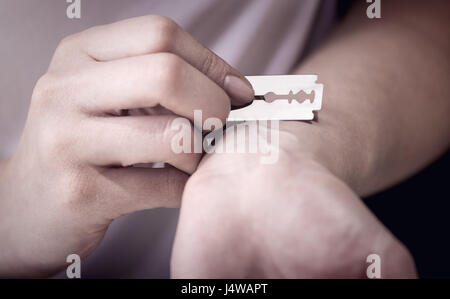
x=387, y=94
x=367, y=137
x=385, y=116
x=70, y=176
x=292, y=219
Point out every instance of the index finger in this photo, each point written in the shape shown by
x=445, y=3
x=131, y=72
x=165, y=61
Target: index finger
x=154, y=34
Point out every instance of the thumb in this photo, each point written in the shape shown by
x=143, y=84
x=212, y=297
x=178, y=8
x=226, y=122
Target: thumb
x=126, y=190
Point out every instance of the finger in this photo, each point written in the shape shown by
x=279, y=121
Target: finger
x=147, y=81
x=126, y=141
x=153, y=34
x=126, y=190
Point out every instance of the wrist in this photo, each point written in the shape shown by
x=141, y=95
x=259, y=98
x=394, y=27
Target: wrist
x=320, y=143
x=311, y=145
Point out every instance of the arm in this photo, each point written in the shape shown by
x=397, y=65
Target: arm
x=386, y=103
x=384, y=116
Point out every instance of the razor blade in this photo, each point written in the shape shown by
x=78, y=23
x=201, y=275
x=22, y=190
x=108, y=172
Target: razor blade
x=287, y=97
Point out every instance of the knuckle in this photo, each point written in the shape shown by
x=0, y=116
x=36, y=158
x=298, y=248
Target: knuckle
x=67, y=44
x=164, y=32
x=208, y=63
x=68, y=40
x=170, y=69
x=45, y=90
x=56, y=89
x=213, y=67
x=163, y=24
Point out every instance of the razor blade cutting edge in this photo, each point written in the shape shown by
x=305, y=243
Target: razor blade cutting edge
x=283, y=108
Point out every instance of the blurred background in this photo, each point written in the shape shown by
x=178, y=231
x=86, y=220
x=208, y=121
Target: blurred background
x=417, y=211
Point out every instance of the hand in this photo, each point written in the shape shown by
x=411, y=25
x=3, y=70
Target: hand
x=70, y=176
x=293, y=219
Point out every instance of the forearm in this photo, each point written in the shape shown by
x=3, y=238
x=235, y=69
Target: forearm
x=386, y=101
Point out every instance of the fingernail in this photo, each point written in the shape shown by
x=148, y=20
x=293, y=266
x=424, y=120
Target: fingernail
x=238, y=89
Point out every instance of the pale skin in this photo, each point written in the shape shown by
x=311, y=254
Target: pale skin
x=385, y=116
